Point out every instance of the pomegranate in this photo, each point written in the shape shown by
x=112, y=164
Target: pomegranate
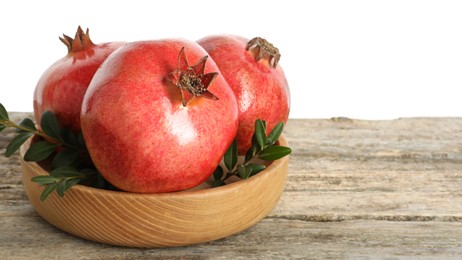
x=62, y=86
x=157, y=117
x=251, y=69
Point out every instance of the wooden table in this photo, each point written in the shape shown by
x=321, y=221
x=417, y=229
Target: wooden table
x=356, y=189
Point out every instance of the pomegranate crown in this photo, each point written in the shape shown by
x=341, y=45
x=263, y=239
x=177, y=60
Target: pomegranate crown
x=191, y=80
x=80, y=42
x=262, y=49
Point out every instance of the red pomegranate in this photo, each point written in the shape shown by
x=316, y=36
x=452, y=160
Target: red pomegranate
x=157, y=117
x=62, y=86
x=251, y=69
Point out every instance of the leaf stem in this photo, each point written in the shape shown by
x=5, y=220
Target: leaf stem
x=245, y=163
x=229, y=174
x=9, y=123
x=263, y=147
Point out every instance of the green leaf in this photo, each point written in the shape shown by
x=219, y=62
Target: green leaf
x=66, y=172
x=66, y=184
x=59, y=183
x=255, y=168
x=230, y=157
x=27, y=123
x=50, y=125
x=275, y=152
x=243, y=171
x=60, y=188
x=3, y=113
x=70, y=137
x=39, y=151
x=264, y=124
x=275, y=133
x=48, y=190
x=260, y=133
x=16, y=142
x=66, y=157
x=251, y=152
x=70, y=183
x=218, y=173
x=246, y=171
x=218, y=183
x=2, y=127
x=44, y=179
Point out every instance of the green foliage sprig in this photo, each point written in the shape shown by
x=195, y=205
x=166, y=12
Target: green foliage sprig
x=263, y=147
x=70, y=161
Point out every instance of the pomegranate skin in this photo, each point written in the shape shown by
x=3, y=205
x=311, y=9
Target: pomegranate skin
x=262, y=92
x=139, y=135
x=62, y=86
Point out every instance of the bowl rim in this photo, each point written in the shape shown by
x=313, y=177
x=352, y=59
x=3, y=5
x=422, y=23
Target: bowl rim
x=184, y=193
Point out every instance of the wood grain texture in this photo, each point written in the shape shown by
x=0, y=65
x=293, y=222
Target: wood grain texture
x=356, y=189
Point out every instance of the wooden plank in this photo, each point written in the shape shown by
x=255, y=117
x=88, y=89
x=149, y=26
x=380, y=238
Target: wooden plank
x=356, y=189
x=406, y=169
x=270, y=239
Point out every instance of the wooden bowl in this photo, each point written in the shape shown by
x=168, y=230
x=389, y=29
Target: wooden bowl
x=159, y=220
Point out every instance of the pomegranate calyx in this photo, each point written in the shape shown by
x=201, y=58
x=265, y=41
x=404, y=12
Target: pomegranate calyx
x=262, y=49
x=191, y=80
x=80, y=42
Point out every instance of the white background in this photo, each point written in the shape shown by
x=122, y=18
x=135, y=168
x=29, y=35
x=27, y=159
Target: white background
x=359, y=59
